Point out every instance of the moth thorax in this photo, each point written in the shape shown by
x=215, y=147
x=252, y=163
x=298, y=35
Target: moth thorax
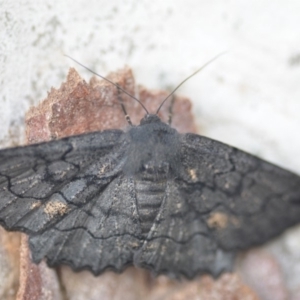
x=154, y=171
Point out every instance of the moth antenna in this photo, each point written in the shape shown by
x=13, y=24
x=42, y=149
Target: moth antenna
x=124, y=108
x=178, y=86
x=113, y=83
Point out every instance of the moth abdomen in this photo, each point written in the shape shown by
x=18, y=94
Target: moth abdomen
x=149, y=197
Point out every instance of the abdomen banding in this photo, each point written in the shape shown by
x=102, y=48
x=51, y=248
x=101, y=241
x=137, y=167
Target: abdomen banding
x=149, y=197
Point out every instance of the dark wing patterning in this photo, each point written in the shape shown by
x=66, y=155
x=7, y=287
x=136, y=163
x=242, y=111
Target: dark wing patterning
x=243, y=200
x=61, y=194
x=219, y=200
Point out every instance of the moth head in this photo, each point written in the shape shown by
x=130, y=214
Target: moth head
x=150, y=118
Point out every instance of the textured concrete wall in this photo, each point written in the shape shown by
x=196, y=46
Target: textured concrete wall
x=250, y=97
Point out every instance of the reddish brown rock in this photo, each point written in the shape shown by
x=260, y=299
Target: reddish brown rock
x=79, y=107
x=9, y=264
x=140, y=284
x=37, y=282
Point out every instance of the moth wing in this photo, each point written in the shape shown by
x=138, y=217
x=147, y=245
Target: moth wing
x=220, y=200
x=243, y=200
x=100, y=234
x=40, y=184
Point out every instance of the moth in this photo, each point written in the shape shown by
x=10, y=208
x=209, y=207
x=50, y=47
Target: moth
x=180, y=204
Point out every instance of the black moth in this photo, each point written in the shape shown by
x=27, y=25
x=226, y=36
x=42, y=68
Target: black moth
x=180, y=204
